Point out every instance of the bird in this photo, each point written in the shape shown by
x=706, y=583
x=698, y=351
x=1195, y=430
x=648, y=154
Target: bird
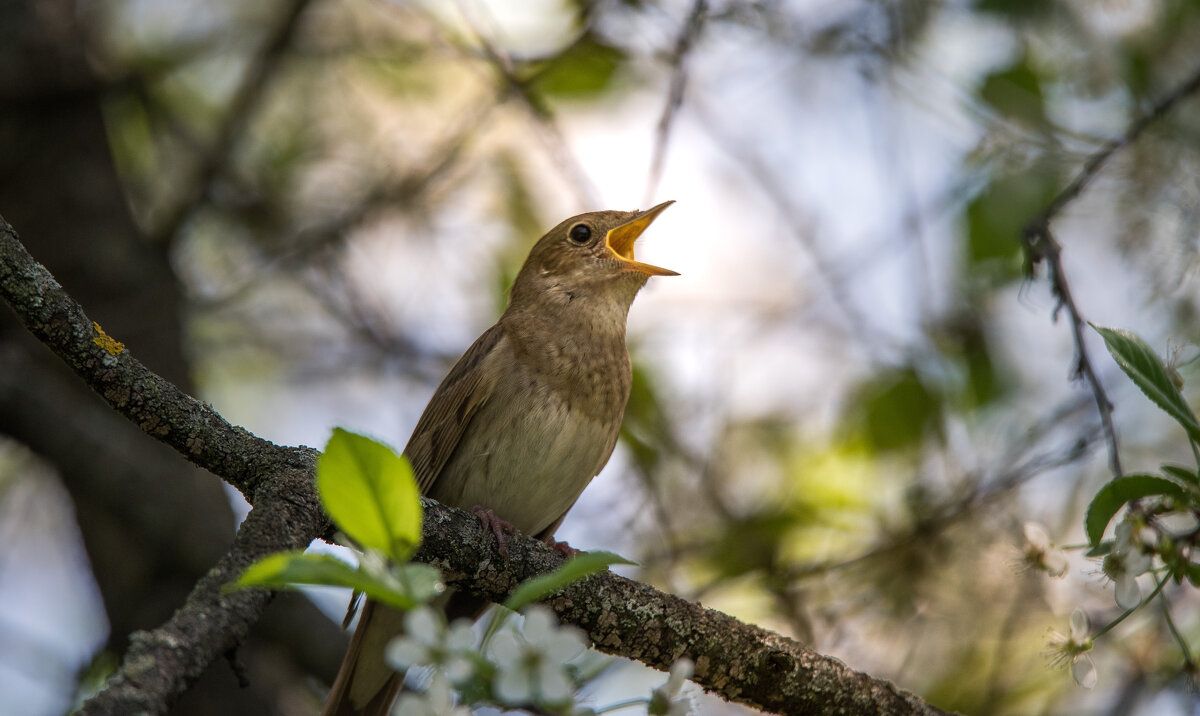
x=526, y=417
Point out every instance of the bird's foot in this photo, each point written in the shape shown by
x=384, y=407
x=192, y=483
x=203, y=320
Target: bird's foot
x=497, y=526
x=562, y=548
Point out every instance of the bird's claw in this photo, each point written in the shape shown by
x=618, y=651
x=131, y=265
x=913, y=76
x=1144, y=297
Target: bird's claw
x=496, y=525
x=562, y=548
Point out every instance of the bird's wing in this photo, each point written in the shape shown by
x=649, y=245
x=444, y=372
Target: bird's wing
x=454, y=403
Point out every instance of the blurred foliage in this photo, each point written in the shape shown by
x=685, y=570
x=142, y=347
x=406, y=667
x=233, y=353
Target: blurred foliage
x=896, y=409
x=586, y=69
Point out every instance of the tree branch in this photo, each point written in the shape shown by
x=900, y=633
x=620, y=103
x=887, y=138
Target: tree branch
x=152, y=403
x=738, y=661
x=162, y=664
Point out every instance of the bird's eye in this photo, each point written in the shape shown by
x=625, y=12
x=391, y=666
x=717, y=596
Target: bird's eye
x=580, y=233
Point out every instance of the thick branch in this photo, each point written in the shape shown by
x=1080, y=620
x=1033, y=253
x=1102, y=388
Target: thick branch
x=162, y=664
x=738, y=661
x=149, y=401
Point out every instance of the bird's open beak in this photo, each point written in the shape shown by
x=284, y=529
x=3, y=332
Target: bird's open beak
x=620, y=241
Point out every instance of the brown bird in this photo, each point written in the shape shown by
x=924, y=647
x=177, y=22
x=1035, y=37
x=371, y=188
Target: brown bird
x=527, y=417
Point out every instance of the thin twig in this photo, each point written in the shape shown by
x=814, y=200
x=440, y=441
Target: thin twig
x=586, y=193
x=1040, y=245
x=1097, y=161
x=216, y=156
x=1043, y=246
x=687, y=38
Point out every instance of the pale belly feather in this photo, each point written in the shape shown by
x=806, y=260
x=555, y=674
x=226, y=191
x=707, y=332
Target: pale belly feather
x=531, y=471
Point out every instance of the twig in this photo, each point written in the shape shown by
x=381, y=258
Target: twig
x=1097, y=161
x=216, y=156
x=561, y=156
x=1040, y=245
x=687, y=37
x=162, y=664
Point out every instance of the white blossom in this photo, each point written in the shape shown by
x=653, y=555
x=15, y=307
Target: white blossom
x=438, y=700
x=531, y=665
x=1073, y=649
x=1040, y=552
x=1125, y=563
x=427, y=641
x=666, y=699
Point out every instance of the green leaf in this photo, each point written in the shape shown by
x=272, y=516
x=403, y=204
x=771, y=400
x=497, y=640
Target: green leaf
x=996, y=217
x=1146, y=370
x=1193, y=574
x=409, y=585
x=894, y=410
x=1183, y=474
x=578, y=567
x=1016, y=92
x=1116, y=493
x=582, y=71
x=370, y=493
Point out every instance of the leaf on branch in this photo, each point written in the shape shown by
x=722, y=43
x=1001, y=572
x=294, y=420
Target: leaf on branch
x=578, y=567
x=405, y=588
x=369, y=492
x=1183, y=474
x=1147, y=371
x=1116, y=493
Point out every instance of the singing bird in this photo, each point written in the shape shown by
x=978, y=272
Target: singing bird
x=529, y=414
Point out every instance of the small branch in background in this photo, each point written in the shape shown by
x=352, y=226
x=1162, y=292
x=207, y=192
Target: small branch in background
x=587, y=195
x=1097, y=161
x=687, y=38
x=215, y=157
x=1040, y=245
x=854, y=323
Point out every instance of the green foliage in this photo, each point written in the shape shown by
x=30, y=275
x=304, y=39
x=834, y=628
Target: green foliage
x=1151, y=497
x=370, y=493
x=404, y=587
x=1185, y=475
x=1114, y=495
x=645, y=428
x=1147, y=371
x=1016, y=93
x=752, y=542
x=579, y=567
x=896, y=409
x=996, y=217
x=584, y=70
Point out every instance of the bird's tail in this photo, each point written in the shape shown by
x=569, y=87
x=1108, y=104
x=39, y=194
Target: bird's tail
x=365, y=684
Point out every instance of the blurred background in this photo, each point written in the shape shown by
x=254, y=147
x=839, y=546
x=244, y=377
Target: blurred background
x=844, y=410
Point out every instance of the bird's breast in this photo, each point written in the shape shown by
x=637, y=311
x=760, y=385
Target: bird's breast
x=547, y=428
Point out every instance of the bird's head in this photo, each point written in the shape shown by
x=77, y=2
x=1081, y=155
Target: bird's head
x=589, y=255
